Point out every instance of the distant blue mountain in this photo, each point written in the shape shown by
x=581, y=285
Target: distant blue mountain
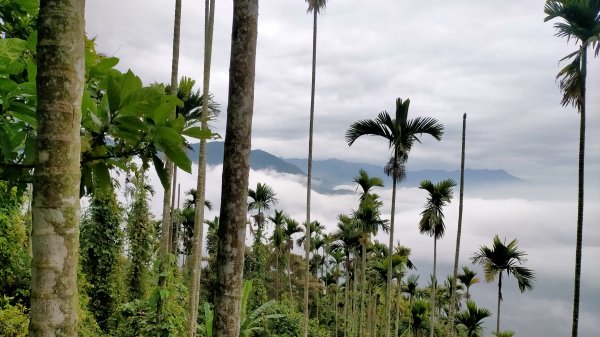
x=259, y=159
x=331, y=173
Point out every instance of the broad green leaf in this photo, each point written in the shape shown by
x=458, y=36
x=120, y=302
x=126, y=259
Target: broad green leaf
x=12, y=48
x=7, y=85
x=131, y=84
x=106, y=63
x=114, y=91
x=131, y=123
x=160, y=171
x=24, y=112
x=31, y=70
x=197, y=132
x=179, y=157
x=32, y=38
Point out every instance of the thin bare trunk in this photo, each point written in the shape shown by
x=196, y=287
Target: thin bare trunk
x=198, y=240
x=388, y=293
x=398, y=307
x=236, y=169
x=346, y=294
x=363, y=281
x=55, y=211
x=580, y=187
x=289, y=265
x=166, y=211
x=499, y=300
x=309, y=173
x=433, y=288
x=458, y=233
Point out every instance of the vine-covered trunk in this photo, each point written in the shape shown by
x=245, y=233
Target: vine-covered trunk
x=198, y=240
x=236, y=169
x=580, y=187
x=165, y=238
x=363, y=281
x=309, y=172
x=458, y=234
x=55, y=211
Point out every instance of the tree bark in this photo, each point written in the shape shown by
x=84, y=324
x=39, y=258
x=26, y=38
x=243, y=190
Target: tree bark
x=236, y=169
x=580, y=187
x=458, y=233
x=309, y=171
x=198, y=241
x=346, y=293
x=55, y=211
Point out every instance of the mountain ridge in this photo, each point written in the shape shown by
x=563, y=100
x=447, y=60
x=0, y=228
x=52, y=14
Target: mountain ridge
x=333, y=174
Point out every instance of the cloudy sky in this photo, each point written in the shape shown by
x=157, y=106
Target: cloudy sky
x=495, y=60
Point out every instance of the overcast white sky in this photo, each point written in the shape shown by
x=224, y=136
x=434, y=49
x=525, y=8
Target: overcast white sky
x=495, y=60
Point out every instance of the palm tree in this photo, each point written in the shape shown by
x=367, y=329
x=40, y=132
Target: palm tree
x=279, y=243
x=236, y=170
x=337, y=256
x=263, y=197
x=468, y=279
x=292, y=227
x=347, y=236
x=368, y=221
x=367, y=183
x=401, y=133
x=459, y=230
x=504, y=258
x=581, y=22
x=314, y=6
x=472, y=319
x=55, y=242
x=432, y=222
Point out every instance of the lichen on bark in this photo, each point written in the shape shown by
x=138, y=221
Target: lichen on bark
x=55, y=207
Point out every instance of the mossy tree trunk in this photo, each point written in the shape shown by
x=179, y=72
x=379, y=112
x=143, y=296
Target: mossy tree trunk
x=55, y=228
x=236, y=169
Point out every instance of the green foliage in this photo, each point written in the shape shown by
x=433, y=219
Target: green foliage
x=101, y=249
x=121, y=118
x=18, y=17
x=140, y=234
x=15, y=274
x=14, y=320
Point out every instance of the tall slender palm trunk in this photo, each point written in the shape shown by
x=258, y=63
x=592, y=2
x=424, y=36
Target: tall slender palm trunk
x=363, y=293
x=399, y=303
x=499, y=300
x=433, y=288
x=580, y=187
x=289, y=265
x=309, y=172
x=346, y=294
x=236, y=169
x=458, y=234
x=388, y=293
x=166, y=211
x=55, y=210
x=198, y=241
